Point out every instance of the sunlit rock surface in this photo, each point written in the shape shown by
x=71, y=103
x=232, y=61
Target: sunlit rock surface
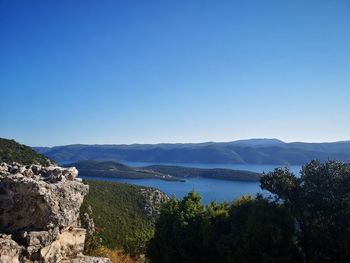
x=39, y=210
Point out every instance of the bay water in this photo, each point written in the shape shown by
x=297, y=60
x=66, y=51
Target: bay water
x=210, y=189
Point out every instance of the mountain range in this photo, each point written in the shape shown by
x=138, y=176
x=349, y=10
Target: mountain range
x=252, y=151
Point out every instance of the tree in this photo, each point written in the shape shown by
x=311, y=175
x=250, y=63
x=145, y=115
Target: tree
x=178, y=231
x=319, y=203
x=260, y=231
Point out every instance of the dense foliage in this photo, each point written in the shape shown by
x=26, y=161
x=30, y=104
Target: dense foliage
x=249, y=230
x=304, y=219
x=319, y=203
x=119, y=216
x=11, y=151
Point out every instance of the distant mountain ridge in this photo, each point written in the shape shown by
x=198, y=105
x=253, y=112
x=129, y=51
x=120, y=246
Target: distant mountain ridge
x=253, y=151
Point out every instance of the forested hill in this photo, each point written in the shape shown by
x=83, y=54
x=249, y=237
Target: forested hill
x=11, y=151
x=163, y=172
x=124, y=214
x=217, y=173
x=254, y=151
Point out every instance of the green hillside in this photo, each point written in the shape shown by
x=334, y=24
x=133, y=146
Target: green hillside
x=117, y=170
x=124, y=214
x=12, y=151
x=213, y=173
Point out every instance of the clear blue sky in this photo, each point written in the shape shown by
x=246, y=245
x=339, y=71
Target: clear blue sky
x=174, y=71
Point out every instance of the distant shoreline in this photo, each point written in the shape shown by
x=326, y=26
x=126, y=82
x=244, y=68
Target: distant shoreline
x=163, y=172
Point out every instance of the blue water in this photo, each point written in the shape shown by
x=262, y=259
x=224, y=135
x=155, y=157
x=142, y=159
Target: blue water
x=259, y=168
x=210, y=189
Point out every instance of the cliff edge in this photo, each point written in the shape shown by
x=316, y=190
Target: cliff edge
x=39, y=210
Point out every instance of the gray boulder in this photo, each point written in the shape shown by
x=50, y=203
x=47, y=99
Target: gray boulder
x=34, y=204
x=39, y=211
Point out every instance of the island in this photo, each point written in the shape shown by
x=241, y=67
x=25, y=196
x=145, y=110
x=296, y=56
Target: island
x=91, y=168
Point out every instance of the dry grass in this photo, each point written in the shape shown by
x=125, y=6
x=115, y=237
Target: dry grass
x=116, y=256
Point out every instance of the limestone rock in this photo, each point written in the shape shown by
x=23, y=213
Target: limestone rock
x=39, y=207
x=3, y=168
x=71, y=173
x=72, y=241
x=87, y=221
x=9, y=250
x=36, y=240
x=154, y=199
x=41, y=202
x=51, y=253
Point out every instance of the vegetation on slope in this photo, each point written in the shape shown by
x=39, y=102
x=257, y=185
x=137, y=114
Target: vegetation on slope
x=11, y=151
x=117, y=170
x=305, y=219
x=163, y=172
x=124, y=214
x=216, y=173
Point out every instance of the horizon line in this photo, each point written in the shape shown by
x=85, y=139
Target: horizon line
x=201, y=142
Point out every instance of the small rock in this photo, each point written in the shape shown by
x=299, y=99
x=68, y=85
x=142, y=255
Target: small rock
x=72, y=173
x=13, y=169
x=9, y=250
x=28, y=173
x=36, y=169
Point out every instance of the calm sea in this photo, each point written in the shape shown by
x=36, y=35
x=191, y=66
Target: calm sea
x=259, y=168
x=210, y=189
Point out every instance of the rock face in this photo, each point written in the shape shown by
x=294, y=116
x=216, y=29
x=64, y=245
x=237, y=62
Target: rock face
x=39, y=210
x=154, y=200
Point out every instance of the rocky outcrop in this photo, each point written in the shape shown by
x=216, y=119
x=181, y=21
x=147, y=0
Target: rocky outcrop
x=154, y=199
x=39, y=210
